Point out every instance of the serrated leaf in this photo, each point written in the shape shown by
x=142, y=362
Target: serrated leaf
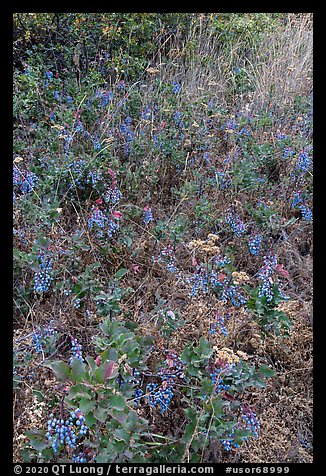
x=121, y=434
x=117, y=415
x=110, y=354
x=117, y=402
x=189, y=431
x=108, y=370
x=86, y=405
x=26, y=455
x=91, y=362
x=218, y=408
x=239, y=435
x=37, y=439
x=80, y=391
x=204, y=347
x=90, y=419
x=78, y=369
x=38, y=444
x=42, y=242
x=60, y=369
x=100, y=414
x=120, y=273
x=266, y=371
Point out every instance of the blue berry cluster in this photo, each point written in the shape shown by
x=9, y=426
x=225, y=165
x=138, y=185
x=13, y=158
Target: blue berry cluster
x=255, y=244
x=49, y=76
x=104, y=97
x=62, y=431
x=68, y=140
x=231, y=124
x=288, y=152
x=43, y=277
x=121, y=85
x=94, y=177
x=237, y=226
x=159, y=396
x=220, y=262
x=217, y=380
x=77, y=303
x=40, y=336
x=173, y=368
x=57, y=95
x=198, y=281
x=127, y=133
x=228, y=442
x=148, y=217
x=16, y=174
x=220, y=322
x=113, y=226
x=296, y=199
x=77, y=167
x=98, y=221
x=146, y=113
x=281, y=136
x=76, y=349
x=21, y=234
x=251, y=423
x=37, y=342
x=222, y=180
x=167, y=257
x=306, y=212
x=231, y=293
x=304, y=162
x=79, y=458
x=96, y=143
x=24, y=181
x=136, y=381
x=79, y=127
x=265, y=275
x=177, y=118
x=176, y=87
x=113, y=195
x=244, y=132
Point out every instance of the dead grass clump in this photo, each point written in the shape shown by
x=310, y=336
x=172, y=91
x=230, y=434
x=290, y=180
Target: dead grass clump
x=285, y=406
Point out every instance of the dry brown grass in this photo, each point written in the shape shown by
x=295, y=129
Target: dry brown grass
x=278, y=68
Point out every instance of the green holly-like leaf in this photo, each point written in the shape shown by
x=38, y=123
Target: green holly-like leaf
x=78, y=369
x=266, y=371
x=117, y=402
x=189, y=431
x=80, y=391
x=239, y=435
x=108, y=370
x=100, y=414
x=37, y=439
x=119, y=274
x=86, y=405
x=60, y=369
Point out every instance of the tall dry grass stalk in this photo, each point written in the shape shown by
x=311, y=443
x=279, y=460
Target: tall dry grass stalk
x=277, y=66
x=288, y=71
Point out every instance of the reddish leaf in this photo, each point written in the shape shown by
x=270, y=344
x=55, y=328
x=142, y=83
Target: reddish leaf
x=282, y=271
x=135, y=268
x=110, y=370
